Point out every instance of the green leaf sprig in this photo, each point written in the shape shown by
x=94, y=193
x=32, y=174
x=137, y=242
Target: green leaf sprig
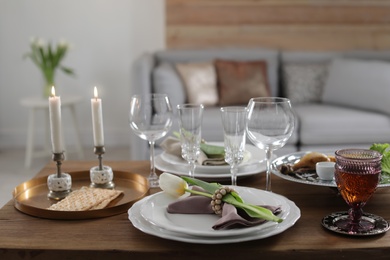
x=384, y=150
x=212, y=151
x=385, y=162
x=232, y=198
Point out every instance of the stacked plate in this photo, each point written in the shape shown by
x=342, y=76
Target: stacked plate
x=150, y=216
x=254, y=162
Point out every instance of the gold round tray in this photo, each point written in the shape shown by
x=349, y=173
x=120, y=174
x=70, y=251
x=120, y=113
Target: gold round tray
x=31, y=197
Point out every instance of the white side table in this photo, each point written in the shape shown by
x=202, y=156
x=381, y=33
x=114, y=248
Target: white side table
x=35, y=104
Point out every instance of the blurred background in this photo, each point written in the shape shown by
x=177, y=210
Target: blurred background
x=105, y=36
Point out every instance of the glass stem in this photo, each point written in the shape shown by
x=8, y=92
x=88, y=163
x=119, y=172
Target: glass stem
x=152, y=169
x=268, y=154
x=233, y=171
x=355, y=215
x=192, y=169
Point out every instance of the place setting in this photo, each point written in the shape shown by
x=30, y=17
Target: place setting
x=230, y=213
x=215, y=169
x=193, y=220
x=210, y=162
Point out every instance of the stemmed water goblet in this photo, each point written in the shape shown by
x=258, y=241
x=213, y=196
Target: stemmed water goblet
x=190, y=125
x=270, y=124
x=357, y=174
x=150, y=118
x=234, y=126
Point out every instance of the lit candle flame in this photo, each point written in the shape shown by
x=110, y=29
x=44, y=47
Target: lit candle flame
x=53, y=91
x=95, y=92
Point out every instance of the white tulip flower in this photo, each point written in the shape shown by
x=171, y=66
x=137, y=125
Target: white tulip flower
x=173, y=185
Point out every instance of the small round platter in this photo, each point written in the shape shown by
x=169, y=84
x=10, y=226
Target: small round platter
x=381, y=225
x=307, y=177
x=31, y=197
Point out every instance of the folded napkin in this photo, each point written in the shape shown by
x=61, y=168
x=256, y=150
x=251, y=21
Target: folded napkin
x=231, y=216
x=172, y=146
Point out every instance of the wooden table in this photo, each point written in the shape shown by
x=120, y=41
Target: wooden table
x=26, y=237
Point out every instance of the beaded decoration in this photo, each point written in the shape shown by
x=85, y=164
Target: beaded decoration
x=216, y=200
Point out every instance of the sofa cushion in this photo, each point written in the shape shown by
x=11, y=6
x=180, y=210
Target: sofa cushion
x=322, y=124
x=166, y=80
x=304, y=82
x=239, y=81
x=358, y=83
x=200, y=81
x=271, y=56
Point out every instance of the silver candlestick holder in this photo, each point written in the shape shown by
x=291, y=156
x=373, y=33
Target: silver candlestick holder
x=60, y=183
x=101, y=176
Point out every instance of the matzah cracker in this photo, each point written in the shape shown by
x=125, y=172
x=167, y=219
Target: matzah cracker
x=86, y=198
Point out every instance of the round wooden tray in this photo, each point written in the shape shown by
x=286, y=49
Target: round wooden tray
x=31, y=197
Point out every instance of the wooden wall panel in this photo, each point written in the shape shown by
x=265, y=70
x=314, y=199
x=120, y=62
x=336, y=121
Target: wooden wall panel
x=285, y=24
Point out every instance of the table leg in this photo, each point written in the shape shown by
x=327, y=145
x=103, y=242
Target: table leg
x=30, y=138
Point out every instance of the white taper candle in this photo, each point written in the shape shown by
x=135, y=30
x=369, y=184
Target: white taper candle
x=97, y=119
x=55, y=122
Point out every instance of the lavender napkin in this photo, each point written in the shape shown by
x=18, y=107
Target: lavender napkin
x=231, y=216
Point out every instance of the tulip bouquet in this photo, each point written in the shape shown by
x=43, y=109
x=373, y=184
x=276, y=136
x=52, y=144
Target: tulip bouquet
x=179, y=187
x=48, y=58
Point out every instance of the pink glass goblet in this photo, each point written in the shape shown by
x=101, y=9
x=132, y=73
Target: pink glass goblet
x=357, y=174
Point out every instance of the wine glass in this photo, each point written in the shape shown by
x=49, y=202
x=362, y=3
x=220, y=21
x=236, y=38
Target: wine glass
x=234, y=128
x=190, y=122
x=357, y=174
x=151, y=118
x=270, y=124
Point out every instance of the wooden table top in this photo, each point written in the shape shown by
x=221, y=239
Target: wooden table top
x=26, y=237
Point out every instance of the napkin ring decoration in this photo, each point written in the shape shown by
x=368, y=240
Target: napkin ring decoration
x=216, y=200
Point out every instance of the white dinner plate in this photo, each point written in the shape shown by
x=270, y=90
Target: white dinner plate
x=143, y=225
x=253, y=155
x=154, y=210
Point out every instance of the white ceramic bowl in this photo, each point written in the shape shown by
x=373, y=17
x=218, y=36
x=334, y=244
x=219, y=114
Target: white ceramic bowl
x=325, y=170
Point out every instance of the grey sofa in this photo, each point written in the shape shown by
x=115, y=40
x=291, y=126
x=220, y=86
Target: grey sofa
x=338, y=99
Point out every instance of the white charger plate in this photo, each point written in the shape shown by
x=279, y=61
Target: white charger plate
x=154, y=210
x=143, y=225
